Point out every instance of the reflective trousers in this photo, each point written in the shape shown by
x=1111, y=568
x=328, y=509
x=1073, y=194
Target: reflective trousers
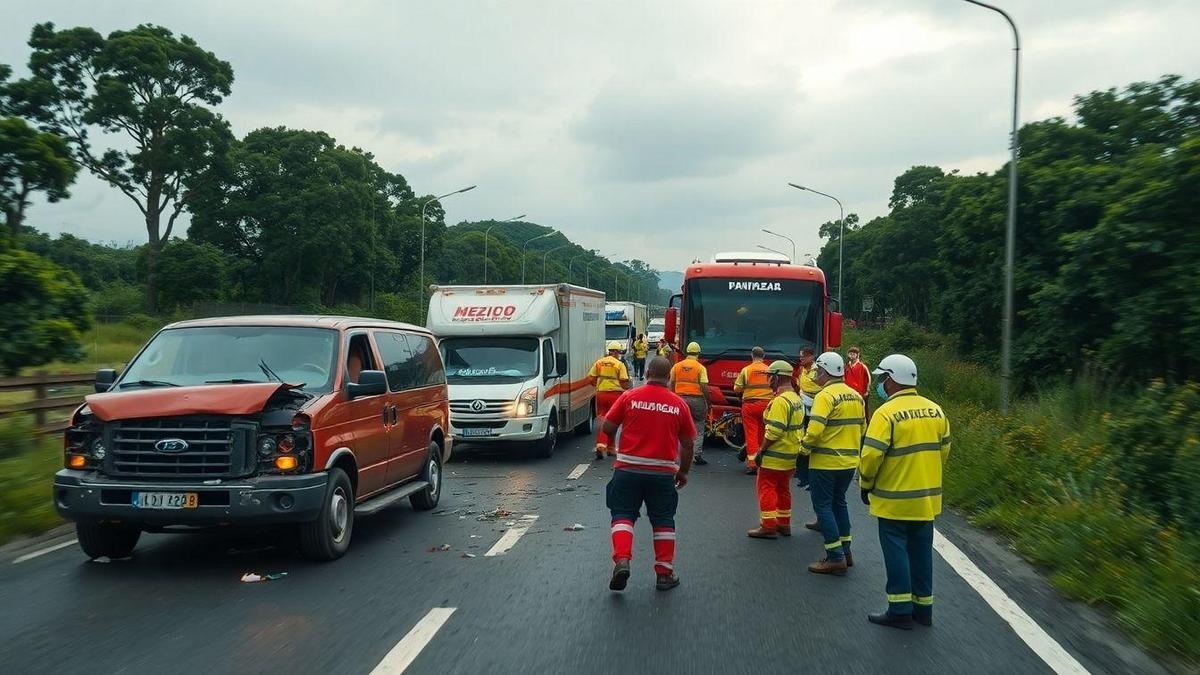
x=774, y=498
x=604, y=401
x=908, y=557
x=624, y=496
x=829, y=503
x=752, y=425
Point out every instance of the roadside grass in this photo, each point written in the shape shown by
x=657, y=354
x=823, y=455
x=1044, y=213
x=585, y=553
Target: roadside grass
x=105, y=345
x=1091, y=483
x=26, y=470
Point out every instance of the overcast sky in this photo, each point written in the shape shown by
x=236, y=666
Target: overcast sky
x=659, y=130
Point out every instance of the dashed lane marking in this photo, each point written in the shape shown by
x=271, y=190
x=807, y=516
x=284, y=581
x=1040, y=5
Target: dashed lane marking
x=1059, y=659
x=577, y=471
x=510, y=536
x=43, y=551
x=407, y=649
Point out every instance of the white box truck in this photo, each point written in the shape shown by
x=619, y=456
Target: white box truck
x=517, y=360
x=623, y=322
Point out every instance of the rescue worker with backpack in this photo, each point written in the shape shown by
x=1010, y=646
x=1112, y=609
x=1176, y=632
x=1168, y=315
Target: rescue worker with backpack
x=900, y=473
x=754, y=386
x=610, y=378
x=776, y=460
x=831, y=441
x=689, y=380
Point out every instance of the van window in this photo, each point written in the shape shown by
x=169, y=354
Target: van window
x=427, y=362
x=548, y=358
x=410, y=361
x=393, y=348
x=359, y=357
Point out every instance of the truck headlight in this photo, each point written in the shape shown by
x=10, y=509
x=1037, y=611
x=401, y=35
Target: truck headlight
x=526, y=403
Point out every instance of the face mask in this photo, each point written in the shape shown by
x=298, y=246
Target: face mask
x=880, y=390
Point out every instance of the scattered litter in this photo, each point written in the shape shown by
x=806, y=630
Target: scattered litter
x=495, y=514
x=510, y=523
x=251, y=577
x=102, y=560
x=443, y=547
x=573, y=528
x=462, y=517
x=468, y=555
x=474, y=536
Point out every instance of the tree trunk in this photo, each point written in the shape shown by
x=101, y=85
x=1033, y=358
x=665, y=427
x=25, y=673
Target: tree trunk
x=154, y=244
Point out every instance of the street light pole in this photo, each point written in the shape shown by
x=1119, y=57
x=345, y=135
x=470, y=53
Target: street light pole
x=775, y=250
x=587, y=275
x=485, y=242
x=783, y=236
x=525, y=247
x=1010, y=229
x=421, y=281
x=841, y=233
x=547, y=254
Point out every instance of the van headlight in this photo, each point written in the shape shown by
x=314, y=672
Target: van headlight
x=526, y=403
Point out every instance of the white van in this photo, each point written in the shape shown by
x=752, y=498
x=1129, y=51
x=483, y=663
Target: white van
x=623, y=322
x=655, y=330
x=517, y=359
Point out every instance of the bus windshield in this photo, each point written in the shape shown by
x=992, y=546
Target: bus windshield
x=780, y=315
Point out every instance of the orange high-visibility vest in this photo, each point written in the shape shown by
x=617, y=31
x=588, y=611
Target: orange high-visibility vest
x=753, y=383
x=690, y=377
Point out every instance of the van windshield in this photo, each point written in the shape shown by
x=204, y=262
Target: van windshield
x=236, y=354
x=617, y=332
x=479, y=359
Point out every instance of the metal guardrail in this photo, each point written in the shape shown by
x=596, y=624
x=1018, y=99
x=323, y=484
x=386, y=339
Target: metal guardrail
x=42, y=401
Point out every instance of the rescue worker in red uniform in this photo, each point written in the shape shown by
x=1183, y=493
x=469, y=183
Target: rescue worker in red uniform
x=610, y=377
x=653, y=461
x=752, y=383
x=784, y=421
x=858, y=376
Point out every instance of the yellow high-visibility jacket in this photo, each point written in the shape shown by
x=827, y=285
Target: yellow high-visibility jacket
x=903, y=453
x=783, y=423
x=609, y=372
x=807, y=381
x=754, y=383
x=640, y=348
x=835, y=428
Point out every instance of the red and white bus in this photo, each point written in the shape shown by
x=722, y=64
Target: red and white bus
x=740, y=300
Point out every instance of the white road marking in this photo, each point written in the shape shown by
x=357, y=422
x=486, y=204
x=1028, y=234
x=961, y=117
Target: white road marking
x=510, y=537
x=1059, y=659
x=577, y=471
x=407, y=649
x=44, y=551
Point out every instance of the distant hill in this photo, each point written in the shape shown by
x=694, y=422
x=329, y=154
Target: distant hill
x=670, y=280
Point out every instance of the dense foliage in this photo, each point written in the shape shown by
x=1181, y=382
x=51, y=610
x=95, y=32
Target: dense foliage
x=1107, y=242
x=42, y=310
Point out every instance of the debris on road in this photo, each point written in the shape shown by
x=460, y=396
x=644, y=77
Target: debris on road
x=495, y=514
x=102, y=560
x=443, y=547
x=468, y=555
x=252, y=577
x=573, y=528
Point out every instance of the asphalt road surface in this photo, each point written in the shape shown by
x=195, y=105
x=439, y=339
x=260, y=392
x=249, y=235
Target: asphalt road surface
x=542, y=605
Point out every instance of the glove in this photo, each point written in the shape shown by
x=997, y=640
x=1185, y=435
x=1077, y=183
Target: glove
x=866, y=496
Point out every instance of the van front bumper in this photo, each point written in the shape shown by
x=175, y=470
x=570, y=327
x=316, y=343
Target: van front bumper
x=259, y=500
x=489, y=431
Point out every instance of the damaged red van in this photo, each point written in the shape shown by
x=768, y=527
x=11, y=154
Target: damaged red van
x=297, y=421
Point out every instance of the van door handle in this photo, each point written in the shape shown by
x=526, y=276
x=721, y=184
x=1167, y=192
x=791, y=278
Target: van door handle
x=395, y=415
x=384, y=414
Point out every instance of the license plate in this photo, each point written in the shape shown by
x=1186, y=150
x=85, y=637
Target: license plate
x=476, y=432
x=166, y=500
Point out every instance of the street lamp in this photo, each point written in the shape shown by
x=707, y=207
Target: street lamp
x=774, y=250
x=841, y=233
x=485, y=242
x=587, y=275
x=783, y=236
x=421, y=281
x=1010, y=229
x=547, y=254
x=571, y=265
x=525, y=247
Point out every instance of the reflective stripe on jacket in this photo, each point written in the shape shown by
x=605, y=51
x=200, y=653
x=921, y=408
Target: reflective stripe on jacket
x=753, y=382
x=905, y=448
x=609, y=373
x=640, y=348
x=690, y=377
x=783, y=425
x=835, y=428
x=806, y=381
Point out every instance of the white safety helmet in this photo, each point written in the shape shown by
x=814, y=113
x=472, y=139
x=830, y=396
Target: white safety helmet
x=832, y=363
x=900, y=368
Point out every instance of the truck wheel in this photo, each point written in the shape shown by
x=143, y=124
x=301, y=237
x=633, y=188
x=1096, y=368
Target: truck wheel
x=545, y=447
x=328, y=537
x=428, y=498
x=106, y=540
x=588, y=426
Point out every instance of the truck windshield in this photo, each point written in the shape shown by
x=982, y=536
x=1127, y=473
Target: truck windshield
x=618, y=332
x=779, y=315
x=479, y=359
x=236, y=354
x=655, y=326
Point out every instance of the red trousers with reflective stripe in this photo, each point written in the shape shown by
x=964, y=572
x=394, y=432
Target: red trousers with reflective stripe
x=752, y=425
x=775, y=497
x=664, y=545
x=604, y=401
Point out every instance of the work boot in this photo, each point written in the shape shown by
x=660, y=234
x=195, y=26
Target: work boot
x=751, y=471
x=814, y=525
x=849, y=559
x=901, y=621
x=620, y=576
x=700, y=461
x=666, y=582
x=827, y=566
x=762, y=533
x=784, y=530
x=925, y=618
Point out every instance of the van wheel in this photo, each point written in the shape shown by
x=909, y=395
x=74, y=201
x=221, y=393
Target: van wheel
x=588, y=426
x=328, y=537
x=428, y=498
x=545, y=447
x=106, y=540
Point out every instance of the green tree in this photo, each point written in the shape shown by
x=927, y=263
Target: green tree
x=194, y=272
x=148, y=86
x=42, y=310
x=30, y=161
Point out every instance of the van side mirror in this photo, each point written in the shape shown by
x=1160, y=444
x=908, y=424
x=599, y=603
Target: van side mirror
x=560, y=364
x=370, y=383
x=104, y=379
x=670, y=319
x=835, y=329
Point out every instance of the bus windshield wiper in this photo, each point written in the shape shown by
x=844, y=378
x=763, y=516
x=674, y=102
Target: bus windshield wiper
x=148, y=383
